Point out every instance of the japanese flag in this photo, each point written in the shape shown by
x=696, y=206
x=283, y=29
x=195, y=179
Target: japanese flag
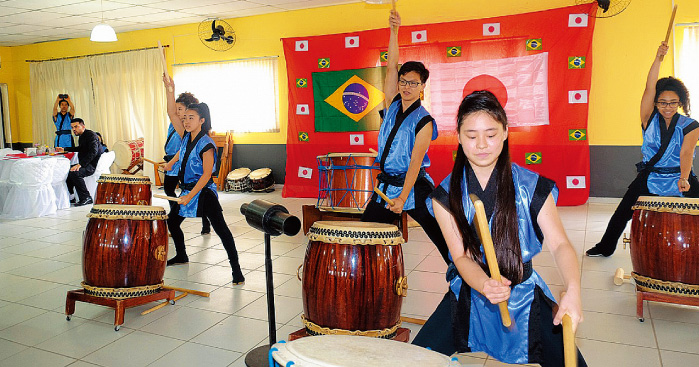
x=305, y=172
x=352, y=42
x=301, y=45
x=356, y=139
x=575, y=182
x=577, y=20
x=577, y=96
x=302, y=109
x=519, y=83
x=419, y=36
x=491, y=29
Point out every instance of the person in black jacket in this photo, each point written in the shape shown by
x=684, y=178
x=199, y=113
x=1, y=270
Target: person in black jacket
x=89, y=152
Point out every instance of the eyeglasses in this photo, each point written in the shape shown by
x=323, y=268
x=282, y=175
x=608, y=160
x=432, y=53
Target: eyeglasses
x=672, y=104
x=411, y=84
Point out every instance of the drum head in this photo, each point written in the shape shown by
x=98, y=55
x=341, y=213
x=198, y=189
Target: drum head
x=133, y=212
x=668, y=204
x=335, y=155
x=124, y=179
x=345, y=350
x=260, y=173
x=355, y=233
x=238, y=173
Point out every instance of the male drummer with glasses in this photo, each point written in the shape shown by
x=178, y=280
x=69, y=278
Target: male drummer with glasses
x=404, y=138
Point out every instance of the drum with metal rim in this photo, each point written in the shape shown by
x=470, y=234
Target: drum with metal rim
x=346, y=181
x=345, y=350
x=238, y=180
x=124, y=250
x=123, y=189
x=353, y=279
x=261, y=180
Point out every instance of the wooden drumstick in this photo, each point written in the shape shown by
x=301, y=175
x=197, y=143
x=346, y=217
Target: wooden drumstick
x=190, y=291
x=619, y=276
x=171, y=198
x=669, y=27
x=183, y=295
x=162, y=55
x=482, y=226
x=383, y=196
x=372, y=150
x=151, y=161
x=570, y=354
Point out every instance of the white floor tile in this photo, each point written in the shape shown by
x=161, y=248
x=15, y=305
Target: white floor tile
x=226, y=300
x=184, y=323
x=8, y=348
x=39, y=329
x=192, y=354
x=238, y=334
x=671, y=359
x=129, y=351
x=617, y=329
x=36, y=358
x=677, y=336
x=599, y=353
x=84, y=339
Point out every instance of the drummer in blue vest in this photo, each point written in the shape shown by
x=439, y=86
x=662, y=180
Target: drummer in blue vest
x=63, y=113
x=175, y=131
x=404, y=138
x=199, y=198
x=669, y=139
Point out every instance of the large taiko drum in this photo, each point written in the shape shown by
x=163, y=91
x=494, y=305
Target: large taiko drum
x=353, y=279
x=352, y=351
x=665, y=244
x=128, y=153
x=261, y=180
x=346, y=181
x=123, y=190
x=124, y=250
x=238, y=180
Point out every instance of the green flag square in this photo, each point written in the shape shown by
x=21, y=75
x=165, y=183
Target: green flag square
x=534, y=44
x=454, y=51
x=324, y=63
x=576, y=62
x=577, y=134
x=301, y=83
x=384, y=56
x=303, y=136
x=533, y=158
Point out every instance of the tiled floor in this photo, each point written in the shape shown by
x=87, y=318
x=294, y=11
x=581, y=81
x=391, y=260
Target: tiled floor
x=40, y=260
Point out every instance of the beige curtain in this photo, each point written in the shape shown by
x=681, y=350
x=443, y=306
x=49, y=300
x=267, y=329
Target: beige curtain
x=121, y=95
x=686, y=63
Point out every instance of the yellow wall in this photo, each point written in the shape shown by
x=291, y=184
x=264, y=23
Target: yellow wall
x=623, y=48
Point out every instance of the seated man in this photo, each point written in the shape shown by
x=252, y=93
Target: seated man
x=89, y=152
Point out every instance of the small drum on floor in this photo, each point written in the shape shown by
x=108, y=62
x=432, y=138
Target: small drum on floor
x=129, y=154
x=346, y=181
x=124, y=250
x=346, y=350
x=123, y=190
x=353, y=279
x=238, y=180
x=261, y=180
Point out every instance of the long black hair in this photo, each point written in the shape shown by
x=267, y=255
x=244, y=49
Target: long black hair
x=505, y=228
x=674, y=85
x=203, y=112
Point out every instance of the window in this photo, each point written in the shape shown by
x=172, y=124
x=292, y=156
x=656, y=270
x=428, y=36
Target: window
x=241, y=94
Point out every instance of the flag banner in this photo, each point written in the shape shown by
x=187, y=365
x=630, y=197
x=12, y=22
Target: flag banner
x=384, y=56
x=454, y=51
x=577, y=20
x=305, y=172
x=533, y=158
x=303, y=136
x=345, y=99
x=419, y=36
x=491, y=29
x=356, y=139
x=534, y=44
x=576, y=62
x=301, y=45
x=352, y=42
x=302, y=109
x=577, y=134
x=301, y=83
x=575, y=182
x=525, y=99
x=577, y=96
x=324, y=63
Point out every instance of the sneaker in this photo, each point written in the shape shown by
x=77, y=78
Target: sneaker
x=238, y=277
x=82, y=202
x=598, y=251
x=177, y=260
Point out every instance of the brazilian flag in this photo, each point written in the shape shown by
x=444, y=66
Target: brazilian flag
x=348, y=100
x=301, y=83
x=577, y=134
x=533, y=158
x=576, y=62
x=384, y=56
x=454, y=51
x=303, y=136
x=324, y=63
x=534, y=44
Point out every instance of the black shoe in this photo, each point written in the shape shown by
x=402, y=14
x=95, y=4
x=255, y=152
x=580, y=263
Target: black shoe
x=85, y=201
x=177, y=260
x=73, y=201
x=598, y=251
x=238, y=277
x=205, y=230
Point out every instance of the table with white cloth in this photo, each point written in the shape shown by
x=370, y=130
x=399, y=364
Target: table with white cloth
x=34, y=186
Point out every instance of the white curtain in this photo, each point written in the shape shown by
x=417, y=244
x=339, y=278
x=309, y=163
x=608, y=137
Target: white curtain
x=242, y=94
x=119, y=95
x=686, y=63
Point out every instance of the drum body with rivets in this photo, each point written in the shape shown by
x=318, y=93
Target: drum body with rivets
x=123, y=190
x=353, y=279
x=346, y=181
x=238, y=180
x=124, y=246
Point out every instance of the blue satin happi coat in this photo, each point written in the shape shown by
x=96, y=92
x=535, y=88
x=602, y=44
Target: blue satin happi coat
x=486, y=332
x=401, y=149
x=192, y=169
x=65, y=139
x=665, y=183
x=172, y=146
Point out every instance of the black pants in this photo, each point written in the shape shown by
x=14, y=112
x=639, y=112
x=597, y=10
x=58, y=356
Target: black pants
x=438, y=333
x=76, y=180
x=218, y=222
x=624, y=213
x=377, y=212
x=169, y=186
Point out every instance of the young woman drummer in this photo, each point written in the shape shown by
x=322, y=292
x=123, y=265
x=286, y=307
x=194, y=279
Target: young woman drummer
x=669, y=139
x=404, y=138
x=175, y=131
x=522, y=214
x=198, y=198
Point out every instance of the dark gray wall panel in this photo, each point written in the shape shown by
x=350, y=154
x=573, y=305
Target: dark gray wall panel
x=256, y=156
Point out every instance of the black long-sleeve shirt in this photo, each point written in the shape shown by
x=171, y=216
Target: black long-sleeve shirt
x=89, y=150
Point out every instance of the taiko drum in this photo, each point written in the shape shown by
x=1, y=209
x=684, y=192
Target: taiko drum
x=347, y=181
x=123, y=190
x=353, y=278
x=125, y=246
x=665, y=239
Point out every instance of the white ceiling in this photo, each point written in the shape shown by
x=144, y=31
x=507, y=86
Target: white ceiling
x=25, y=22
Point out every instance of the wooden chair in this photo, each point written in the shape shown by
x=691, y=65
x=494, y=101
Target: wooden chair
x=224, y=146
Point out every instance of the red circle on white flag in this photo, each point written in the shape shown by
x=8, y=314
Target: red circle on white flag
x=304, y=172
x=491, y=29
x=577, y=96
x=575, y=182
x=302, y=45
x=418, y=35
x=489, y=83
x=578, y=20
x=356, y=139
x=351, y=41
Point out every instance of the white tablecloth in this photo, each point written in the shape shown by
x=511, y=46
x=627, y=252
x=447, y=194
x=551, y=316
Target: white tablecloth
x=26, y=193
